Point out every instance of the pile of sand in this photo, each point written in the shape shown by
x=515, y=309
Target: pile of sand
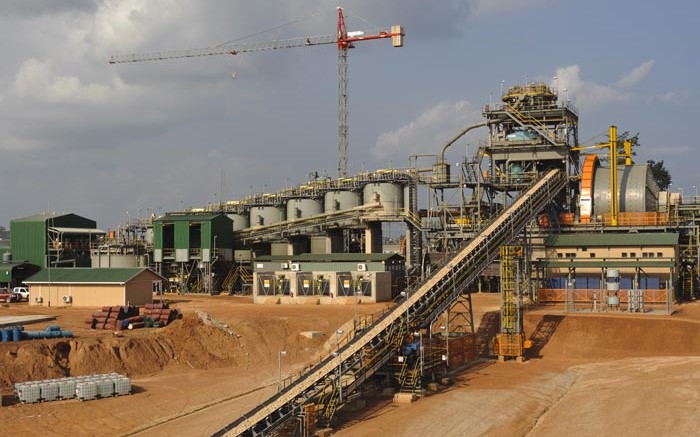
x=187, y=342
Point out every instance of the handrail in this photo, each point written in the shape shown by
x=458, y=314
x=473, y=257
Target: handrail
x=377, y=343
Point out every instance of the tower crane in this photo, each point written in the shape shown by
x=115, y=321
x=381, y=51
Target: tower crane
x=343, y=39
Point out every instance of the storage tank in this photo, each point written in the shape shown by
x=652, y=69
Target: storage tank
x=303, y=208
x=340, y=200
x=149, y=236
x=266, y=215
x=115, y=260
x=240, y=221
x=388, y=194
x=636, y=188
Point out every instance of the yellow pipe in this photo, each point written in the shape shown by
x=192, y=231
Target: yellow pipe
x=628, y=152
x=613, y=175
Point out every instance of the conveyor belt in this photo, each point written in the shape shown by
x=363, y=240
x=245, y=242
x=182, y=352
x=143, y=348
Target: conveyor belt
x=328, y=383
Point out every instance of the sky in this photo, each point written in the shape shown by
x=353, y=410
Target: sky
x=112, y=142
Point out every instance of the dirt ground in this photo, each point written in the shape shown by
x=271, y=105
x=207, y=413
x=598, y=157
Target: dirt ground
x=588, y=374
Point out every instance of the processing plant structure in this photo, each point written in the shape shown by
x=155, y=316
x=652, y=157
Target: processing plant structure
x=531, y=213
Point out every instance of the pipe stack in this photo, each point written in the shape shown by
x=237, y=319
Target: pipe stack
x=160, y=314
x=110, y=317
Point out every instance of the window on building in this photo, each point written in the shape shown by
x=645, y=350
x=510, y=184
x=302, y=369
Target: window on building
x=659, y=254
x=624, y=254
x=571, y=255
x=592, y=255
x=584, y=249
x=560, y=255
x=633, y=254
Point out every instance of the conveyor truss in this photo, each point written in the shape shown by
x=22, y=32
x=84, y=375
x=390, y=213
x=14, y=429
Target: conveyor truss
x=332, y=382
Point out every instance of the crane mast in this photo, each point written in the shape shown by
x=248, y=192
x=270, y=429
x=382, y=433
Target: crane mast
x=343, y=39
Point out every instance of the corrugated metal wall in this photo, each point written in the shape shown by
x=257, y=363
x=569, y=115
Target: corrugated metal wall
x=158, y=235
x=29, y=242
x=182, y=235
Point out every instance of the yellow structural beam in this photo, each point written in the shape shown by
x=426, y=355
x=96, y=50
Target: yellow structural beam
x=614, y=207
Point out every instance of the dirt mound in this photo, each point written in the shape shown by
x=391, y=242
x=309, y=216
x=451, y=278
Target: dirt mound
x=612, y=337
x=187, y=342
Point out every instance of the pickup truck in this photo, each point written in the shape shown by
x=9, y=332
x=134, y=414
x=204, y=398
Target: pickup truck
x=7, y=296
x=22, y=293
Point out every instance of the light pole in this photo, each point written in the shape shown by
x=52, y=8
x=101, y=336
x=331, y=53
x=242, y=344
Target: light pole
x=447, y=344
x=695, y=199
x=405, y=294
x=502, y=82
x=339, y=332
x=354, y=320
x=681, y=190
x=281, y=354
x=420, y=349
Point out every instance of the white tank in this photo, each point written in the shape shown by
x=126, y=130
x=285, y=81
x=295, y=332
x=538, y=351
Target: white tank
x=613, y=282
x=149, y=235
x=303, y=208
x=389, y=195
x=240, y=221
x=341, y=200
x=266, y=215
x=406, y=198
x=115, y=260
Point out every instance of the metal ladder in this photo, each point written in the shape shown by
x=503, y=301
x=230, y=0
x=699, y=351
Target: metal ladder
x=371, y=348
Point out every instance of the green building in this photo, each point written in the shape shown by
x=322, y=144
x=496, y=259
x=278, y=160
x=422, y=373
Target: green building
x=53, y=240
x=193, y=250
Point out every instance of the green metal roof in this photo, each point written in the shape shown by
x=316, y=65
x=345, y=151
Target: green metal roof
x=331, y=257
x=86, y=276
x=613, y=239
x=7, y=269
x=39, y=218
x=192, y=217
x=603, y=263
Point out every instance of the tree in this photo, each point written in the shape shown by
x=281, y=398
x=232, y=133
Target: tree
x=621, y=138
x=661, y=175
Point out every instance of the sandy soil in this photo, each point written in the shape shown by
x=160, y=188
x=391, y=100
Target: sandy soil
x=588, y=375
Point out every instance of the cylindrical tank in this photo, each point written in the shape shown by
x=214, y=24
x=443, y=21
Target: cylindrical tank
x=240, y=221
x=407, y=197
x=388, y=194
x=114, y=260
x=303, y=208
x=636, y=188
x=613, y=280
x=340, y=200
x=266, y=215
x=149, y=236
x=6, y=257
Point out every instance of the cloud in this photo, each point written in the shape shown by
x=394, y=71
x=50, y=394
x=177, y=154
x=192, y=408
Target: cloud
x=588, y=94
x=635, y=76
x=36, y=8
x=36, y=80
x=428, y=132
x=482, y=8
x=667, y=97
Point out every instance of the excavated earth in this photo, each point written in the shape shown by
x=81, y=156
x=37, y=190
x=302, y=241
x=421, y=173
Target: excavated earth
x=611, y=374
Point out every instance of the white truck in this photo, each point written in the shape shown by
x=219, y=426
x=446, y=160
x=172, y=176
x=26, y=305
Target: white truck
x=22, y=293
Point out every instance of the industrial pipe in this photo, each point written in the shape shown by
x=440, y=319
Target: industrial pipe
x=461, y=134
x=614, y=205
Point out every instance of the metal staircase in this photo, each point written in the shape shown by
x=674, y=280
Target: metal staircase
x=329, y=383
x=530, y=123
x=414, y=225
x=240, y=276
